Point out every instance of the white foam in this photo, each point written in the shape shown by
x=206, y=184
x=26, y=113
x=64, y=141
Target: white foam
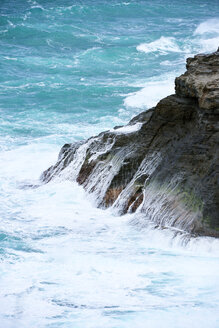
x=128, y=128
x=35, y=4
x=82, y=264
x=207, y=36
x=208, y=26
x=10, y=58
x=162, y=45
x=209, y=45
x=152, y=92
x=27, y=162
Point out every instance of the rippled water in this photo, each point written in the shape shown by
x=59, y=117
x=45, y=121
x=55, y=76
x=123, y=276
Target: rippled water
x=70, y=69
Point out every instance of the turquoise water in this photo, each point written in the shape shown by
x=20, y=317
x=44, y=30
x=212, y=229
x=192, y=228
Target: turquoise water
x=69, y=70
x=68, y=66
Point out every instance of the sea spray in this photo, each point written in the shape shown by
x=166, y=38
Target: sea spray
x=68, y=72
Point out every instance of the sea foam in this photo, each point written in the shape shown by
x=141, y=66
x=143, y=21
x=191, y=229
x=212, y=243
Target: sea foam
x=208, y=26
x=162, y=45
x=207, y=35
x=150, y=94
x=84, y=266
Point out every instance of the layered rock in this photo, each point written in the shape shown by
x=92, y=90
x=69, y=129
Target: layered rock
x=201, y=81
x=164, y=164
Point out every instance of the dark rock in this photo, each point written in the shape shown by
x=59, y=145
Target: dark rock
x=201, y=80
x=166, y=166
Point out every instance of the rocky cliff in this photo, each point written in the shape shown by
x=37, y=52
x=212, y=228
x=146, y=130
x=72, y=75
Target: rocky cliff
x=164, y=164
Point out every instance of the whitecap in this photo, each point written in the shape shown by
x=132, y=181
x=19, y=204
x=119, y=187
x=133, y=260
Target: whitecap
x=4, y=31
x=209, y=45
x=208, y=26
x=10, y=58
x=150, y=94
x=207, y=35
x=35, y=4
x=174, y=20
x=10, y=23
x=162, y=45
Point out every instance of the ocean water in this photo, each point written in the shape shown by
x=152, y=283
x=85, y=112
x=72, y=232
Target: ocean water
x=69, y=70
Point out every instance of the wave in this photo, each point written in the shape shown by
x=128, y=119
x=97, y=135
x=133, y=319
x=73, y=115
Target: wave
x=205, y=39
x=208, y=26
x=35, y=4
x=150, y=94
x=207, y=34
x=174, y=238
x=53, y=200
x=162, y=45
x=209, y=45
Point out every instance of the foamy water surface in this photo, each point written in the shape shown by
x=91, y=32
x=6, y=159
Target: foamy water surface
x=68, y=71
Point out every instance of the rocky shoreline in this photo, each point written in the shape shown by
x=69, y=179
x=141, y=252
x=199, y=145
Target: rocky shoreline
x=164, y=164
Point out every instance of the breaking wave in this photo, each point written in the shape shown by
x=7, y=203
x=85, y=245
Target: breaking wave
x=162, y=45
x=150, y=94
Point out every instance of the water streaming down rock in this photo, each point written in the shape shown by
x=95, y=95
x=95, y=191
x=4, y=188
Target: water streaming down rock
x=164, y=164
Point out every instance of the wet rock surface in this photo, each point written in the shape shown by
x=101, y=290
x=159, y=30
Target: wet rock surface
x=164, y=164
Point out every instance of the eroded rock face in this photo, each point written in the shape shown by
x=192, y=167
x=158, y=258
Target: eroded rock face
x=201, y=80
x=164, y=164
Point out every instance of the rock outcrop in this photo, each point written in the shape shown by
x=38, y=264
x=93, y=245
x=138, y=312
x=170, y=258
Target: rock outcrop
x=164, y=164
